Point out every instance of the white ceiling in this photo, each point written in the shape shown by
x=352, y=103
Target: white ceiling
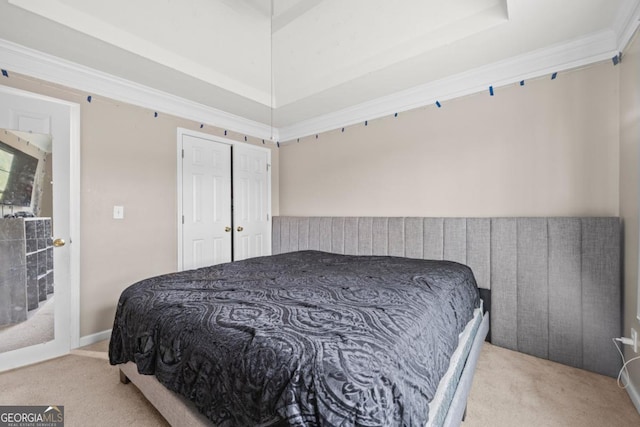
x=308, y=58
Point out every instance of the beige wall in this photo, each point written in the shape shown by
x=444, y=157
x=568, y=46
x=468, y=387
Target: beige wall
x=128, y=158
x=546, y=148
x=629, y=141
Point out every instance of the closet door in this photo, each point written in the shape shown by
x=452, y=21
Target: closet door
x=206, y=202
x=251, y=198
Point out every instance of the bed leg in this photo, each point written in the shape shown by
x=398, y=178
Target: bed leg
x=123, y=378
x=464, y=414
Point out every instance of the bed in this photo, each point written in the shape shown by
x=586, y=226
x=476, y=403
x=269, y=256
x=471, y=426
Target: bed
x=305, y=338
x=551, y=285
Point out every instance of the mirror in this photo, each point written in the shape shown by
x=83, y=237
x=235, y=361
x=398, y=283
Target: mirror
x=17, y=176
x=26, y=255
x=25, y=161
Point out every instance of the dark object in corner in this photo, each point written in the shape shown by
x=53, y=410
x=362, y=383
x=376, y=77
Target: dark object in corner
x=485, y=295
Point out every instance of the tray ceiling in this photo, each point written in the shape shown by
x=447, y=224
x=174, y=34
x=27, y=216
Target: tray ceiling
x=304, y=58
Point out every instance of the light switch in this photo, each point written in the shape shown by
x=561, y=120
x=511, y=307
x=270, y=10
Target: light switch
x=118, y=212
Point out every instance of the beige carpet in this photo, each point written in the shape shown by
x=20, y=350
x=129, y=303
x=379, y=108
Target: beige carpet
x=510, y=389
x=87, y=387
x=514, y=389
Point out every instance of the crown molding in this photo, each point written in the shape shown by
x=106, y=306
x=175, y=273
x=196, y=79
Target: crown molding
x=626, y=23
x=580, y=52
x=33, y=63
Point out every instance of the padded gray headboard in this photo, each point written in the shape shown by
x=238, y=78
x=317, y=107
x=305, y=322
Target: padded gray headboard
x=555, y=282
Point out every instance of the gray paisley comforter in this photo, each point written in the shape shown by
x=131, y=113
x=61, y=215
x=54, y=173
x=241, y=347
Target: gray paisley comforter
x=300, y=339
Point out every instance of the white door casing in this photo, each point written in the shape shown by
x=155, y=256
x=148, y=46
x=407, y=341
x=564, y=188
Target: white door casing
x=200, y=200
x=251, y=199
x=206, y=198
x=30, y=112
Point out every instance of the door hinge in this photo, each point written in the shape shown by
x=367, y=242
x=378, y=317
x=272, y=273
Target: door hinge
x=183, y=219
x=268, y=166
x=267, y=217
x=183, y=153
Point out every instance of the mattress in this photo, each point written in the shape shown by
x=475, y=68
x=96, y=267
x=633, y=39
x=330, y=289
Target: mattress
x=301, y=338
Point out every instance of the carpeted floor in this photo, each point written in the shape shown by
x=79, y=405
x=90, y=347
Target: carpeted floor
x=510, y=389
x=515, y=389
x=87, y=387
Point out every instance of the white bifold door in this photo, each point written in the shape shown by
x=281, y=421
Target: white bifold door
x=224, y=200
x=251, y=212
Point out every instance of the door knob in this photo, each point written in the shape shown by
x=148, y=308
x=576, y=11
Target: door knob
x=239, y=228
x=58, y=243
x=227, y=229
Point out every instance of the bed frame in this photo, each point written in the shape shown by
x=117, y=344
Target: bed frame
x=179, y=411
x=554, y=285
x=458, y=408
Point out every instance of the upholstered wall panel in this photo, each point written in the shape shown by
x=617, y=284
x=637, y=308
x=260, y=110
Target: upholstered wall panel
x=351, y=236
x=276, y=231
x=555, y=282
x=276, y=234
x=433, y=238
x=504, y=281
x=565, y=291
x=380, y=236
x=455, y=239
x=294, y=236
x=337, y=235
x=414, y=238
x=396, y=237
x=303, y=234
x=324, y=236
x=365, y=236
x=533, y=289
x=479, y=250
x=601, y=303
x=314, y=234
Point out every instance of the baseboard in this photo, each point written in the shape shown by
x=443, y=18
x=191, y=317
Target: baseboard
x=94, y=338
x=632, y=390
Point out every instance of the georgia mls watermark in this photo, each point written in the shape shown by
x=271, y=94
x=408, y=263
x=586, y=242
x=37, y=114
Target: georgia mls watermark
x=32, y=416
